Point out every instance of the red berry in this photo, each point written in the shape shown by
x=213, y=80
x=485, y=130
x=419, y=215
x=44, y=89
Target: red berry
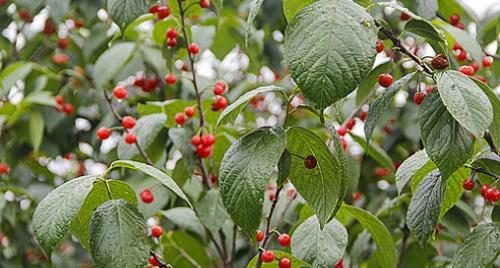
x=259, y=236
x=171, y=42
x=218, y=90
x=284, y=240
x=467, y=70
x=193, y=48
x=454, y=19
x=382, y=172
x=120, y=92
x=220, y=103
x=342, y=131
x=380, y=46
x=457, y=46
x=128, y=122
x=49, y=27
x=103, y=133
x=170, y=79
x=79, y=23
x=60, y=59
x=419, y=97
x=268, y=256
x=25, y=15
x=340, y=263
x=153, y=261
x=462, y=55
x=208, y=140
x=428, y=89
x=484, y=188
x=163, y=12
x=154, y=9
x=171, y=33
x=344, y=143
x=147, y=196
x=139, y=82
x=356, y=196
x=440, y=61
x=59, y=100
x=363, y=115
x=350, y=123
x=189, y=111
x=63, y=43
x=285, y=263
x=475, y=66
x=130, y=138
x=385, y=80
x=404, y=16
x=156, y=231
x=68, y=108
x=204, y=3
x=469, y=184
x=310, y=162
x=203, y=151
x=460, y=26
x=486, y=62
x=213, y=179
x=196, y=140
x=4, y=168
x=149, y=84
x=180, y=119
x=490, y=195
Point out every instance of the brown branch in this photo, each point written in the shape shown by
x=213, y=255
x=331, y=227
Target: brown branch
x=268, y=232
x=489, y=140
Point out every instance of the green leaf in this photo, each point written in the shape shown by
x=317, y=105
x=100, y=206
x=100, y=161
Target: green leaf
x=488, y=161
x=448, y=144
x=296, y=262
x=327, y=177
x=211, y=211
x=330, y=49
x=423, y=211
x=146, y=131
x=284, y=167
x=495, y=103
x=417, y=257
x=386, y=248
x=425, y=8
x=321, y=247
x=13, y=73
x=409, y=167
x=186, y=219
x=116, y=56
x=366, y=86
x=125, y=12
x=254, y=9
x=480, y=247
x=454, y=190
x=425, y=29
x=58, y=9
x=381, y=104
x=97, y=196
x=376, y=152
x=54, y=214
x=231, y=112
x=184, y=251
x=37, y=125
x=465, y=101
x=118, y=236
x=292, y=7
x=244, y=173
x=153, y=172
x=468, y=42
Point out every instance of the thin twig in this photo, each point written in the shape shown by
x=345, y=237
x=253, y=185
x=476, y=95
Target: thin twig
x=482, y=170
x=268, y=232
x=489, y=140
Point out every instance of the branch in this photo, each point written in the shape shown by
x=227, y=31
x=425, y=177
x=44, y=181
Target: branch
x=482, y=170
x=489, y=140
x=268, y=232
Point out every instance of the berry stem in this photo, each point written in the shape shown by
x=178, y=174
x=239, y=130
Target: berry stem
x=482, y=170
x=489, y=140
x=268, y=232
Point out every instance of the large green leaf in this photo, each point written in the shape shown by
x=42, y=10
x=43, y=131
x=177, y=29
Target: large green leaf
x=381, y=104
x=423, y=212
x=479, y=248
x=409, y=167
x=116, y=56
x=54, y=214
x=231, y=112
x=153, y=172
x=211, y=211
x=244, y=173
x=118, y=236
x=182, y=250
x=468, y=42
x=495, y=103
x=448, y=144
x=146, y=131
x=124, y=12
x=330, y=49
x=292, y=7
x=465, y=101
x=322, y=186
x=97, y=196
x=185, y=218
x=319, y=247
x=296, y=262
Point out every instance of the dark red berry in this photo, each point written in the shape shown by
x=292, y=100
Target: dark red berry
x=491, y=194
x=428, y=89
x=153, y=261
x=259, y=236
x=385, y=80
x=218, y=89
x=130, y=138
x=440, y=62
x=196, y=140
x=382, y=172
x=460, y=26
x=208, y=140
x=128, y=122
x=59, y=100
x=462, y=55
x=68, y=108
x=343, y=142
x=154, y=9
x=268, y=256
x=475, y=66
x=356, y=196
x=284, y=240
x=171, y=42
x=469, y=184
x=340, y=263
x=483, y=189
x=404, y=16
x=363, y=115
x=62, y=43
x=205, y=3
x=60, y=59
x=103, y=133
x=342, y=131
x=350, y=123
x=203, y=151
x=380, y=46
x=310, y=162
x=220, y=103
x=139, y=82
x=120, y=92
x=486, y=62
x=457, y=46
x=454, y=19
x=419, y=97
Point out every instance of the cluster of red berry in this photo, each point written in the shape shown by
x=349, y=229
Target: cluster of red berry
x=203, y=144
x=160, y=11
x=62, y=106
x=455, y=21
x=489, y=193
x=220, y=101
x=269, y=256
x=146, y=84
x=128, y=122
x=171, y=37
x=180, y=118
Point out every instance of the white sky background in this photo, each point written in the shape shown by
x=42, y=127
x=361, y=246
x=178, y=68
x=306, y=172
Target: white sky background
x=482, y=7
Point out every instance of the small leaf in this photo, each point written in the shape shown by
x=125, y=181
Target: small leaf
x=367, y=85
x=116, y=56
x=254, y=9
x=465, y=101
x=183, y=250
x=409, y=167
x=381, y=104
x=292, y=7
x=186, y=219
x=58, y=9
x=146, y=131
x=37, y=125
x=448, y=144
x=425, y=29
x=296, y=262
x=423, y=212
x=425, y=8
x=495, y=103
x=468, y=42
x=417, y=257
x=328, y=73
x=231, y=112
x=319, y=247
x=480, y=247
x=124, y=12
x=118, y=236
x=244, y=174
x=211, y=211
x=488, y=161
x=13, y=73
x=284, y=166
x=54, y=214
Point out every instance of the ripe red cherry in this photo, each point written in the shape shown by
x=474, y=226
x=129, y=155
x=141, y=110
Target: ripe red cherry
x=204, y=3
x=454, y=19
x=469, y=184
x=208, y=140
x=4, y=168
x=180, y=119
x=163, y=12
x=25, y=15
x=220, y=103
x=193, y=48
x=218, y=89
x=350, y=123
x=457, y=46
x=460, y=26
x=385, y=80
x=491, y=194
x=203, y=151
x=356, y=196
x=363, y=115
x=196, y=140
x=404, y=16
x=342, y=131
x=156, y=231
x=475, y=66
x=147, y=196
x=68, y=108
x=120, y=92
x=130, y=138
x=60, y=59
x=462, y=55
x=419, y=97
x=128, y=122
x=310, y=162
x=428, y=89
x=284, y=240
x=344, y=143
x=467, y=70
x=171, y=42
x=285, y=263
x=380, y=46
x=484, y=188
x=153, y=261
x=103, y=133
x=62, y=43
x=268, y=256
x=171, y=33
x=154, y=9
x=189, y=111
x=150, y=84
x=382, y=172
x=213, y=179
x=340, y=263
x=486, y=62
x=170, y=79
x=139, y=82
x=59, y=100
x=259, y=236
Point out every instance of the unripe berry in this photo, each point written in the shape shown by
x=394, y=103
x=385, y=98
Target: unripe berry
x=180, y=119
x=193, y=48
x=469, y=184
x=103, y=133
x=259, y=236
x=196, y=140
x=153, y=261
x=284, y=240
x=310, y=162
x=467, y=70
x=419, y=97
x=454, y=19
x=268, y=256
x=171, y=33
x=385, y=80
x=380, y=46
x=285, y=263
x=130, y=138
x=4, y=168
x=486, y=62
x=120, y=92
x=147, y=196
x=154, y=9
x=342, y=131
x=163, y=12
x=68, y=108
x=205, y=3
x=208, y=140
x=440, y=62
x=62, y=43
x=156, y=231
x=189, y=111
x=170, y=79
x=128, y=122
